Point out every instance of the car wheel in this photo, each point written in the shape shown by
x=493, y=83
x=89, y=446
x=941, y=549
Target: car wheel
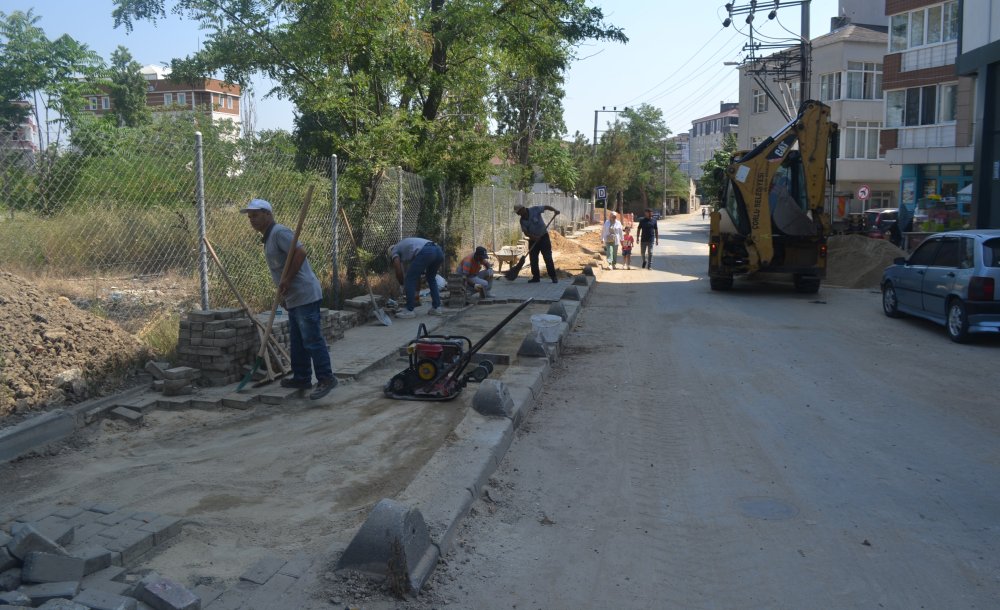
x=958, y=322
x=890, y=304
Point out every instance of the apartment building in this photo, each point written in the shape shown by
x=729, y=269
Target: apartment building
x=979, y=58
x=846, y=74
x=222, y=101
x=707, y=134
x=928, y=106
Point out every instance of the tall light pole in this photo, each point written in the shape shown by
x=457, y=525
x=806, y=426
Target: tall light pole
x=614, y=110
x=750, y=10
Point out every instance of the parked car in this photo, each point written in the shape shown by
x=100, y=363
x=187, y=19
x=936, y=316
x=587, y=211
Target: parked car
x=878, y=222
x=952, y=278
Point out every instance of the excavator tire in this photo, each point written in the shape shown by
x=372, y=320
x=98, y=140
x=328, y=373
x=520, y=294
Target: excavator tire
x=720, y=282
x=806, y=284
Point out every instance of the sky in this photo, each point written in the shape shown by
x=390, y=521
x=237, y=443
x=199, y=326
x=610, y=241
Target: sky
x=674, y=59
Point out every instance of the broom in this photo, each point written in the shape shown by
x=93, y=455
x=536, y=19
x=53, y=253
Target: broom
x=512, y=273
x=277, y=297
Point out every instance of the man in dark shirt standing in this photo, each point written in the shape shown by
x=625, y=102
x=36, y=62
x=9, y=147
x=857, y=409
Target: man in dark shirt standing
x=648, y=234
x=536, y=231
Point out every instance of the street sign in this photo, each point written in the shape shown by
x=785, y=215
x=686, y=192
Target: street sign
x=602, y=192
x=864, y=192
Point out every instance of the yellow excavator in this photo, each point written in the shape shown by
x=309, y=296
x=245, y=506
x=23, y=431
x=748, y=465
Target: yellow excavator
x=771, y=219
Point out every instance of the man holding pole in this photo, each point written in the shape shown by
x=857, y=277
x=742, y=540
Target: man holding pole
x=301, y=294
x=537, y=232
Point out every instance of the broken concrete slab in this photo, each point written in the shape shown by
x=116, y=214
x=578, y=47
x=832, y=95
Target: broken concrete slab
x=28, y=539
x=126, y=414
x=46, y=567
x=165, y=594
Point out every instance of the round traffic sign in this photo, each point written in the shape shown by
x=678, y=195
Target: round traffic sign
x=864, y=192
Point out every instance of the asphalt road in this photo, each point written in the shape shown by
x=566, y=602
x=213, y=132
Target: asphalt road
x=752, y=449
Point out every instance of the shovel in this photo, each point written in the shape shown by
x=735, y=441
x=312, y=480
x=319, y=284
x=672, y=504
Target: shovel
x=512, y=273
x=380, y=314
x=277, y=296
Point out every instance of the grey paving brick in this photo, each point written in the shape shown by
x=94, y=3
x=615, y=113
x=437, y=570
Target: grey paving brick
x=10, y=579
x=296, y=566
x=264, y=569
x=15, y=598
x=181, y=372
x=95, y=558
x=110, y=586
x=42, y=593
x=239, y=401
x=68, y=512
x=7, y=561
x=113, y=573
x=205, y=402
x=86, y=533
x=45, y=567
x=126, y=414
x=96, y=599
x=62, y=604
x=116, y=517
x=165, y=594
x=163, y=528
x=28, y=539
x=83, y=518
x=173, y=402
x=132, y=545
x=119, y=530
x=104, y=509
x=272, y=594
x=37, y=515
x=56, y=529
x=145, y=516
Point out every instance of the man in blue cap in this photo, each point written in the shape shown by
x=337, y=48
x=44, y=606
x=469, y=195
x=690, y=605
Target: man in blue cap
x=301, y=294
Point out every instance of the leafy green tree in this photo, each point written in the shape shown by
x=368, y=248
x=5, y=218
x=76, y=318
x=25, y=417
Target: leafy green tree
x=127, y=90
x=647, y=136
x=710, y=185
x=52, y=76
x=554, y=160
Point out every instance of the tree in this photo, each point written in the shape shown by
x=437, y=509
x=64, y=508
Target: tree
x=647, y=135
x=554, y=160
x=710, y=185
x=127, y=90
x=52, y=76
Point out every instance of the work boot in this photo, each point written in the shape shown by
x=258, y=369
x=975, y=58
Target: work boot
x=534, y=280
x=298, y=384
x=323, y=387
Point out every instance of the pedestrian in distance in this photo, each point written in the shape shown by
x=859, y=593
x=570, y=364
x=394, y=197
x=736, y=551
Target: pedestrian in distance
x=611, y=236
x=477, y=272
x=535, y=229
x=300, y=293
x=627, y=242
x=413, y=258
x=704, y=211
x=648, y=234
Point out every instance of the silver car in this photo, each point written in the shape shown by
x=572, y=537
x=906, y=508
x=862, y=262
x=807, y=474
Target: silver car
x=952, y=278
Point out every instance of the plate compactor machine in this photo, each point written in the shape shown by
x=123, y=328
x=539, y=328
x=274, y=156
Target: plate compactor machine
x=438, y=364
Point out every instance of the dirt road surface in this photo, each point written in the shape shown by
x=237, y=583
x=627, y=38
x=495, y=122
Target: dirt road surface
x=758, y=448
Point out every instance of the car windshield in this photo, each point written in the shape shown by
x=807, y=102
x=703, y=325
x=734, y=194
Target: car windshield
x=991, y=252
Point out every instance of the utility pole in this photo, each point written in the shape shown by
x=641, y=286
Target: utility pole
x=614, y=109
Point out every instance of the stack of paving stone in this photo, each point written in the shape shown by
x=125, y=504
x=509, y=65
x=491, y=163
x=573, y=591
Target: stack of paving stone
x=61, y=556
x=223, y=343
x=172, y=381
x=457, y=296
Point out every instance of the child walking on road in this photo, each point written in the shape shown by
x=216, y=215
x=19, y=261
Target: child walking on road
x=627, y=242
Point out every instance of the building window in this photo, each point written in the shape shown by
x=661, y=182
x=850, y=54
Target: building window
x=930, y=105
x=182, y=99
x=829, y=86
x=882, y=199
x=864, y=81
x=759, y=101
x=168, y=99
x=924, y=26
x=92, y=103
x=861, y=140
x=106, y=103
x=229, y=102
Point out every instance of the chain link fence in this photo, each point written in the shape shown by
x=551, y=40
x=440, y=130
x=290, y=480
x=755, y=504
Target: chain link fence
x=116, y=224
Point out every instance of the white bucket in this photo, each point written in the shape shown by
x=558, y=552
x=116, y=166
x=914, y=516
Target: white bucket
x=546, y=327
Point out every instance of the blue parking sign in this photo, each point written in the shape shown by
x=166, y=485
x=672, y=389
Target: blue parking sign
x=602, y=192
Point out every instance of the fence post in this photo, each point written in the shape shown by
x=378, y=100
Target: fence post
x=444, y=221
x=399, y=198
x=334, y=206
x=199, y=171
x=493, y=199
x=474, y=220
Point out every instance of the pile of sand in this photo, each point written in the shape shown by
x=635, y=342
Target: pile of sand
x=856, y=261
x=52, y=352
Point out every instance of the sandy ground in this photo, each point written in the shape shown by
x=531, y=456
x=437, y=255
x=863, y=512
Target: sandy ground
x=274, y=480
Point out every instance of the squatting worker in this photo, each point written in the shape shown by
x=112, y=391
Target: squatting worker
x=300, y=293
x=538, y=238
x=412, y=258
x=477, y=272
x=648, y=233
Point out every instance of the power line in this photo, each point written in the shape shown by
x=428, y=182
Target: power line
x=681, y=67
